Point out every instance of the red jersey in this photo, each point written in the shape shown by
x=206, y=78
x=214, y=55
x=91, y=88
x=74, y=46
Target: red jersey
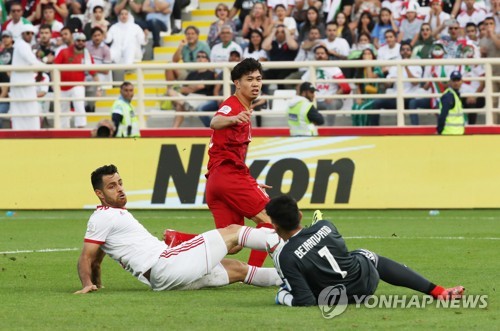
x=230, y=143
x=68, y=56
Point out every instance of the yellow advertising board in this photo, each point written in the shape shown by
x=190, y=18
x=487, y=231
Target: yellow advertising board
x=320, y=172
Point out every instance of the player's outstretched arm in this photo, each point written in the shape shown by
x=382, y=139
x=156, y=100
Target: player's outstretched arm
x=90, y=257
x=221, y=122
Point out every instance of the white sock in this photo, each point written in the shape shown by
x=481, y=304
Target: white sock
x=254, y=238
x=217, y=277
x=178, y=24
x=262, y=276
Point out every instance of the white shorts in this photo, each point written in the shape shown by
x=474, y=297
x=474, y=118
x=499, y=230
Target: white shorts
x=181, y=265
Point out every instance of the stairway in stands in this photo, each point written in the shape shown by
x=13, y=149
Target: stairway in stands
x=201, y=18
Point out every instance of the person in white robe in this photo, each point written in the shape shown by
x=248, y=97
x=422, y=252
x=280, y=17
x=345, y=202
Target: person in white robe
x=23, y=57
x=127, y=39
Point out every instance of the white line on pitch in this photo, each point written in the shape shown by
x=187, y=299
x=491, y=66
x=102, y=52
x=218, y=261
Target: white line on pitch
x=45, y=250
x=50, y=250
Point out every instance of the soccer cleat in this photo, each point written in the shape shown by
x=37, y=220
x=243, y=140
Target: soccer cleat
x=170, y=238
x=317, y=216
x=452, y=293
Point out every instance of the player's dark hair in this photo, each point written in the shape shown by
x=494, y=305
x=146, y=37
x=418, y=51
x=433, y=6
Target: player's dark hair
x=284, y=212
x=96, y=176
x=245, y=67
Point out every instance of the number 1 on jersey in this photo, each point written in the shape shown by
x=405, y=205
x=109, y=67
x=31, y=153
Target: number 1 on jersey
x=324, y=252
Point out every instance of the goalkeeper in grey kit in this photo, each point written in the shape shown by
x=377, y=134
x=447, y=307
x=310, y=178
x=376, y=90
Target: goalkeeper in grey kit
x=314, y=258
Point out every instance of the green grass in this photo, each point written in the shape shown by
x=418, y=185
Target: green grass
x=36, y=288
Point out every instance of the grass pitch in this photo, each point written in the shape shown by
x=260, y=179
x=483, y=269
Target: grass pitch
x=36, y=286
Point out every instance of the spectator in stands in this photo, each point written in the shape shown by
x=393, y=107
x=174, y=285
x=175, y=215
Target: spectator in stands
x=23, y=56
x=158, y=17
x=495, y=14
x=470, y=51
x=472, y=34
x=280, y=17
x=299, y=12
x=126, y=39
x=331, y=7
x=438, y=19
x=313, y=19
x=5, y=59
x=287, y=4
x=220, y=52
x=424, y=42
x=306, y=53
x=45, y=50
x=470, y=14
x=97, y=20
x=453, y=41
x=61, y=10
x=222, y=14
x=123, y=114
x=395, y=6
x=49, y=19
x=386, y=21
x=186, y=52
x=337, y=87
x=490, y=48
x=370, y=7
x=437, y=71
x=193, y=90
x=364, y=42
x=65, y=41
x=177, y=15
x=17, y=21
x=338, y=48
x=366, y=88
x=389, y=51
x=42, y=91
x=343, y=28
x=254, y=49
x=244, y=7
x=76, y=7
x=410, y=24
x=101, y=54
x=408, y=87
x=482, y=30
x=281, y=46
x=75, y=54
x=134, y=7
x=257, y=19
x=365, y=24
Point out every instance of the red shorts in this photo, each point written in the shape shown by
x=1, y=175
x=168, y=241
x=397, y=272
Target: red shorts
x=233, y=194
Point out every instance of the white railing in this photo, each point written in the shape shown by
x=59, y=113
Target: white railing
x=141, y=83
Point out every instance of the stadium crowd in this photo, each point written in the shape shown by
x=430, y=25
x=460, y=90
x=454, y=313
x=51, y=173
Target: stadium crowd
x=276, y=30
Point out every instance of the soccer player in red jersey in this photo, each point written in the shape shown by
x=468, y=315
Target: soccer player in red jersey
x=231, y=192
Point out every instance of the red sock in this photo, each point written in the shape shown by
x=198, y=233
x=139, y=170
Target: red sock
x=173, y=238
x=436, y=291
x=257, y=258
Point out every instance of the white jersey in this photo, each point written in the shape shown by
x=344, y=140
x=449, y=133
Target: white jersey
x=124, y=239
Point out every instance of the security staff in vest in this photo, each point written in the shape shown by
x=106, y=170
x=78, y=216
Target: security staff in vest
x=123, y=115
x=302, y=114
x=451, y=120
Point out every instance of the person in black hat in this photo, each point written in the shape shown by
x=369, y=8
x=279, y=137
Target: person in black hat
x=302, y=114
x=451, y=118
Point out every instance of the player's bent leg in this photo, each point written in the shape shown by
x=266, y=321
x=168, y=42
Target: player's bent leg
x=242, y=272
x=174, y=238
x=261, y=217
x=257, y=257
x=398, y=274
